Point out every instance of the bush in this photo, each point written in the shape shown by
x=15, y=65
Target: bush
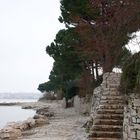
x=130, y=80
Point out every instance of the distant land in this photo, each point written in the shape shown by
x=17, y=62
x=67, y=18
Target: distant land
x=20, y=95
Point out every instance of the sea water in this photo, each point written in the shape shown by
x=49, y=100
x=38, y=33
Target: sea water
x=14, y=114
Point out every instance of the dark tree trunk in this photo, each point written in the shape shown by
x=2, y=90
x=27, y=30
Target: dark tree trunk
x=108, y=62
x=92, y=69
x=96, y=69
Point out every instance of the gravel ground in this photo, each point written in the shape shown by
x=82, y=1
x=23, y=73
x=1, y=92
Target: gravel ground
x=65, y=125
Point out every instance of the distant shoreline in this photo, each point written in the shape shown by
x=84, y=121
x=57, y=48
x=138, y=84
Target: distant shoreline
x=15, y=103
x=8, y=104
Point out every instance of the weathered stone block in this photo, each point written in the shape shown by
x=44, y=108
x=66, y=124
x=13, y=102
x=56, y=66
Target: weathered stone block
x=137, y=102
x=138, y=113
x=138, y=121
x=133, y=134
x=134, y=120
x=82, y=106
x=133, y=112
x=138, y=134
x=125, y=136
x=9, y=133
x=136, y=126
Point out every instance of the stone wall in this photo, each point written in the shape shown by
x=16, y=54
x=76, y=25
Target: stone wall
x=82, y=105
x=96, y=100
x=131, y=125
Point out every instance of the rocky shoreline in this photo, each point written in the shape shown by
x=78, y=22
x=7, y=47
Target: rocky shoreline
x=66, y=124
x=51, y=122
x=13, y=130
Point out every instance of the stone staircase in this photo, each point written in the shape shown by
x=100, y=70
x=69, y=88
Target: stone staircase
x=108, y=120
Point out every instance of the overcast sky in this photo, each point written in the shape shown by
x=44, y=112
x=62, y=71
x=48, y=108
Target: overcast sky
x=26, y=28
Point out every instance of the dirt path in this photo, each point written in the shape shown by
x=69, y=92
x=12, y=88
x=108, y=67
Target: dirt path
x=66, y=125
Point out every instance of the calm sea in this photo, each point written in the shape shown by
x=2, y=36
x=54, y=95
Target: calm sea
x=15, y=113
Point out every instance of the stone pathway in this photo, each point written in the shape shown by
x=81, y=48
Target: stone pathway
x=108, y=122
x=65, y=125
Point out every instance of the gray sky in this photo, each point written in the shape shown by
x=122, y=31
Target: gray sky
x=26, y=28
x=134, y=44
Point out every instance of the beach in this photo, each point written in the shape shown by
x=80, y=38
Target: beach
x=62, y=124
x=66, y=124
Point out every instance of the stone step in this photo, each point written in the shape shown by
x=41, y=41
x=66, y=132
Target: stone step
x=102, y=134
x=110, y=111
x=108, y=128
x=108, y=122
x=110, y=89
x=110, y=97
x=110, y=93
x=113, y=86
x=113, y=89
x=111, y=106
x=110, y=116
x=111, y=101
x=104, y=139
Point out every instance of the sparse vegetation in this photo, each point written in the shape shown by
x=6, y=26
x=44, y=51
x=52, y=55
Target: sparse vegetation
x=130, y=81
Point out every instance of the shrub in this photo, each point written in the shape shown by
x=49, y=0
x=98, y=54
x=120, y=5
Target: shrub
x=130, y=80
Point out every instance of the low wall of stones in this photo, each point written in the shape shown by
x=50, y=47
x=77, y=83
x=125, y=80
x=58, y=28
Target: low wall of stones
x=82, y=105
x=131, y=125
x=96, y=100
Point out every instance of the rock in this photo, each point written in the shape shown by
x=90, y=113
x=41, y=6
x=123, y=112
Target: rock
x=27, y=124
x=9, y=133
x=64, y=103
x=41, y=121
x=27, y=107
x=44, y=111
x=15, y=125
x=37, y=116
x=24, y=126
x=48, y=114
x=30, y=122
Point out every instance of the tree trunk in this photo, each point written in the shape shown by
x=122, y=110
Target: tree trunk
x=108, y=62
x=92, y=70
x=96, y=69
